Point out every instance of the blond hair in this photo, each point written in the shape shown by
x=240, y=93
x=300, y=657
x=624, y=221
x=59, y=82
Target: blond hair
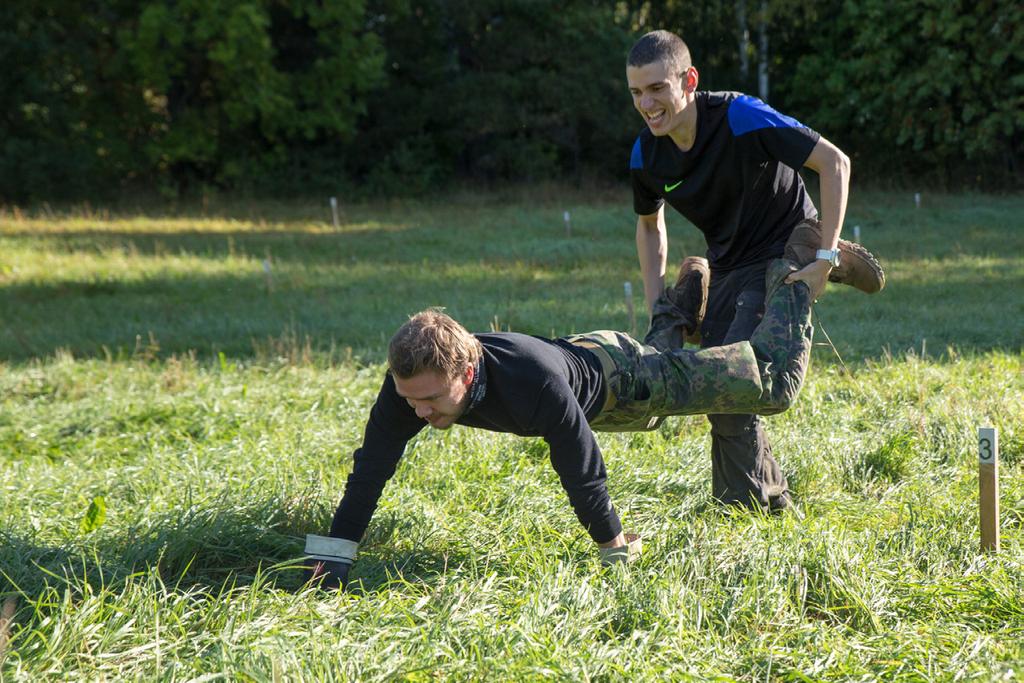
x=432, y=340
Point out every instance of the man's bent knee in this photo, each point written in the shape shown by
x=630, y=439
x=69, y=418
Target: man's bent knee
x=731, y=424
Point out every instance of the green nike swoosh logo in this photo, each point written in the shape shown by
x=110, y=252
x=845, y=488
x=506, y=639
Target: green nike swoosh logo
x=669, y=188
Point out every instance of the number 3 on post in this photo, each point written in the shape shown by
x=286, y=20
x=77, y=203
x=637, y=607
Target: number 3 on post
x=988, y=487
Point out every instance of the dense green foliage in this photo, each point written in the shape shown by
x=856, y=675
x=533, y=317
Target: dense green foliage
x=154, y=500
x=941, y=82
x=490, y=89
x=408, y=96
x=231, y=86
x=220, y=93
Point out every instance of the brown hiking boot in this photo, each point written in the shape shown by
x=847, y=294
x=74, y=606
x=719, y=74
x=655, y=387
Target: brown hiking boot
x=690, y=293
x=677, y=314
x=857, y=266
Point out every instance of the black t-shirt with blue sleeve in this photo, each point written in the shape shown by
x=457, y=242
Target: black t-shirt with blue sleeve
x=738, y=183
x=531, y=387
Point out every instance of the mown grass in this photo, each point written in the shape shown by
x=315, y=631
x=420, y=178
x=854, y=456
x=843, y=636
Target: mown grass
x=223, y=435
x=95, y=284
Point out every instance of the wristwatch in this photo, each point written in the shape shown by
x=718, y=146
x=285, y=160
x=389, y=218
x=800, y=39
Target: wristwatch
x=830, y=255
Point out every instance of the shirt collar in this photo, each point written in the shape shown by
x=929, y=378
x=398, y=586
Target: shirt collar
x=478, y=389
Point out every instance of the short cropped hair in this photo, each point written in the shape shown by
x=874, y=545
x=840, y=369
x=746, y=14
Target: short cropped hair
x=432, y=340
x=661, y=46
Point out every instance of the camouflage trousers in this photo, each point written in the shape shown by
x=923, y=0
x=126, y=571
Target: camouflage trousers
x=762, y=376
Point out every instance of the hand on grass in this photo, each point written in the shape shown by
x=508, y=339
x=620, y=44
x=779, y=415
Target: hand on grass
x=624, y=548
x=328, y=576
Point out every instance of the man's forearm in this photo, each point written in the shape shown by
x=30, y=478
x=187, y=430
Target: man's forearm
x=576, y=458
x=833, y=169
x=833, y=209
x=652, y=250
x=373, y=464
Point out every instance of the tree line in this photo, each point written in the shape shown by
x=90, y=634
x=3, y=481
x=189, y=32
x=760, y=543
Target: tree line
x=410, y=96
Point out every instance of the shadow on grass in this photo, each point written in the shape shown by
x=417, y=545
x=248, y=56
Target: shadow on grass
x=422, y=566
x=350, y=288
x=212, y=550
x=358, y=312
x=450, y=240
x=235, y=314
x=209, y=549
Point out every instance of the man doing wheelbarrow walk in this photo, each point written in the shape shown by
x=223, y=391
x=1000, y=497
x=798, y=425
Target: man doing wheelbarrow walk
x=564, y=390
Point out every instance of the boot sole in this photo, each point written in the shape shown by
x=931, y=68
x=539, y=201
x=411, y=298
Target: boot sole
x=690, y=265
x=858, y=268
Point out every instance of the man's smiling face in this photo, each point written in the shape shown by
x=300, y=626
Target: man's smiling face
x=661, y=95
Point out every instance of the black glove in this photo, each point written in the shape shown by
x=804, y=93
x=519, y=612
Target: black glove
x=331, y=560
x=327, y=575
x=623, y=554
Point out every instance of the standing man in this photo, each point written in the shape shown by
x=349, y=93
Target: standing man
x=728, y=162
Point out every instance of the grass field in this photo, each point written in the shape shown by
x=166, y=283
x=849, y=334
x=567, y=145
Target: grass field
x=174, y=420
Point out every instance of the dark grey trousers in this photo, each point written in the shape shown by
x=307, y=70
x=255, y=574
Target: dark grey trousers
x=743, y=470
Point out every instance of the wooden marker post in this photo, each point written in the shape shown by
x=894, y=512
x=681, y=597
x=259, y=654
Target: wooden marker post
x=988, y=487
x=268, y=273
x=6, y=619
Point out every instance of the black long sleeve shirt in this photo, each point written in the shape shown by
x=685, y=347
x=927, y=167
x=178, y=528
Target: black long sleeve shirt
x=533, y=387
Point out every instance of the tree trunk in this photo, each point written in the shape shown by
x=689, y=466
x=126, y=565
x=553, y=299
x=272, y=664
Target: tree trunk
x=744, y=41
x=762, y=52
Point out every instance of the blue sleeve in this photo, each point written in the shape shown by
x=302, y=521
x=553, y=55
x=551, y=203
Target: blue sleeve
x=636, y=157
x=645, y=202
x=773, y=135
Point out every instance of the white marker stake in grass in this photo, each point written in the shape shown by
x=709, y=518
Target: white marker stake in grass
x=568, y=224
x=917, y=200
x=628, y=288
x=268, y=275
x=988, y=487
x=856, y=234
x=334, y=212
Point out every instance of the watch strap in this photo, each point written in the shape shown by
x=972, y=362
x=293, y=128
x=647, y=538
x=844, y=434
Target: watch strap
x=830, y=255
